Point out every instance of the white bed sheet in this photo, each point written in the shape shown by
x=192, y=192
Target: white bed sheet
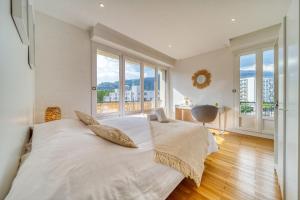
x=69, y=162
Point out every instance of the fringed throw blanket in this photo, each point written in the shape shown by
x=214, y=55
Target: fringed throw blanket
x=182, y=146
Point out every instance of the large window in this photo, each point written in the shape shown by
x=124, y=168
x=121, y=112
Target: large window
x=125, y=85
x=108, y=83
x=248, y=84
x=132, y=86
x=149, y=88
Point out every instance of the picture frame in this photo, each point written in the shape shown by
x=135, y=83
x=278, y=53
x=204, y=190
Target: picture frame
x=31, y=36
x=19, y=12
x=201, y=79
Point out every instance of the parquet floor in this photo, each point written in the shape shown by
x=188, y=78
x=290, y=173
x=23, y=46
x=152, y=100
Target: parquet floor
x=241, y=170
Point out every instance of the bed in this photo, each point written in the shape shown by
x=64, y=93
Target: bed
x=68, y=161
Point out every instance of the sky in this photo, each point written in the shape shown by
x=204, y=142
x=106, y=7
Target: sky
x=247, y=64
x=108, y=70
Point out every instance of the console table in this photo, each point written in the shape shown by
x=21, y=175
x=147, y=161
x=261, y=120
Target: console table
x=184, y=113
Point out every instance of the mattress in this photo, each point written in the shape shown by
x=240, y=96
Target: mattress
x=69, y=162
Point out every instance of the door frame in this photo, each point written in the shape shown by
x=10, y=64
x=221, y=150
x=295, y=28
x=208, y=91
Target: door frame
x=258, y=51
x=275, y=48
x=283, y=110
x=237, y=86
x=95, y=47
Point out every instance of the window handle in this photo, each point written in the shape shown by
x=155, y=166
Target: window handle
x=94, y=88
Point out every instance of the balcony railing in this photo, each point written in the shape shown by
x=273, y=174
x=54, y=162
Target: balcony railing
x=268, y=109
x=130, y=106
x=248, y=108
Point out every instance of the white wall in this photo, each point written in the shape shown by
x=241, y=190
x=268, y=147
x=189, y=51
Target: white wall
x=16, y=97
x=256, y=38
x=63, y=72
x=220, y=64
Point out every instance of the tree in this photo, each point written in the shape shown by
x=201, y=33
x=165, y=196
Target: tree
x=246, y=108
x=101, y=94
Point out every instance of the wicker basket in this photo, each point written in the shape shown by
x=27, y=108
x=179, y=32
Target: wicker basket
x=52, y=113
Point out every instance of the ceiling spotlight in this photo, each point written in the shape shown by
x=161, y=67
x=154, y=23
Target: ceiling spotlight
x=170, y=46
x=233, y=20
x=101, y=5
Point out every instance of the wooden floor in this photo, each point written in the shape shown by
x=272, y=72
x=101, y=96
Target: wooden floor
x=241, y=170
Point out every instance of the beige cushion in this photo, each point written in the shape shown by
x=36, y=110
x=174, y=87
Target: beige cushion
x=113, y=135
x=86, y=119
x=161, y=116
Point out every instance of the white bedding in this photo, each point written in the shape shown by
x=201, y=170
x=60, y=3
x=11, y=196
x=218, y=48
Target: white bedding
x=69, y=162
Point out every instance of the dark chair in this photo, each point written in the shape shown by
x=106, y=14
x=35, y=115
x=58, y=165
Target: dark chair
x=205, y=113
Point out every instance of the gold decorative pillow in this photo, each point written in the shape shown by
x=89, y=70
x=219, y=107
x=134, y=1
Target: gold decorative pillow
x=86, y=119
x=113, y=135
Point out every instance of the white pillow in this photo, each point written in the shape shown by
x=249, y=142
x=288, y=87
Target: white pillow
x=161, y=116
x=151, y=117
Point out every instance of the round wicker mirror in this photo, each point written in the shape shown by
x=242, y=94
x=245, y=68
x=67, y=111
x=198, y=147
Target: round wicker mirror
x=201, y=79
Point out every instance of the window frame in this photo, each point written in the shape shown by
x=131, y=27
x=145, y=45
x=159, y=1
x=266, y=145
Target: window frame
x=256, y=53
x=150, y=65
x=122, y=57
x=123, y=85
x=258, y=50
x=95, y=48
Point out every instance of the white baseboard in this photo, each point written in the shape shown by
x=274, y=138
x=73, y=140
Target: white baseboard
x=256, y=134
x=244, y=132
x=239, y=131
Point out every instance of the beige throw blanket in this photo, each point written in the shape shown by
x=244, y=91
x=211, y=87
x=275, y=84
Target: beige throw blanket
x=182, y=146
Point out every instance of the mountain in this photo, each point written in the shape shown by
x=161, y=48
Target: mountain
x=108, y=85
x=252, y=73
x=148, y=84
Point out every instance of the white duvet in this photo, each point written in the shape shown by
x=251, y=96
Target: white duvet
x=69, y=162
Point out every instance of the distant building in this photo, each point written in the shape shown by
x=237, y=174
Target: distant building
x=268, y=87
x=149, y=95
x=131, y=94
x=247, y=89
x=134, y=94
x=243, y=89
x=112, y=96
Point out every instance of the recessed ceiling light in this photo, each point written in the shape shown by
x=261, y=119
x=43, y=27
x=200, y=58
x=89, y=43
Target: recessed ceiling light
x=233, y=20
x=170, y=46
x=101, y=5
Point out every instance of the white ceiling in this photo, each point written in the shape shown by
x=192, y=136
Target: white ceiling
x=191, y=26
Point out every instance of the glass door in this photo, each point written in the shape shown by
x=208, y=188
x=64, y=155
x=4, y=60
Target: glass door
x=247, y=92
x=108, y=83
x=268, y=91
x=132, y=86
x=149, y=88
x=256, y=95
